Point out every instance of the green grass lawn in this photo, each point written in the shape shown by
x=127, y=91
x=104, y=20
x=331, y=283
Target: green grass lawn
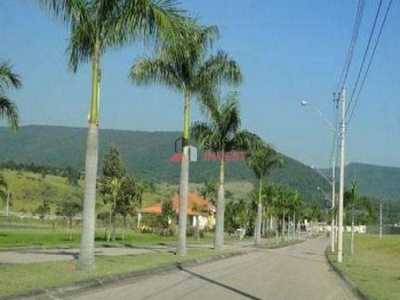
x=19, y=278
x=42, y=235
x=375, y=266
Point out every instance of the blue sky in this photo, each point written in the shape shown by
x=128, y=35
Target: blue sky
x=289, y=51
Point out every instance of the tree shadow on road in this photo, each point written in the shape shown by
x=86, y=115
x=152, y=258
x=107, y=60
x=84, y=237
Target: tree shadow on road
x=218, y=283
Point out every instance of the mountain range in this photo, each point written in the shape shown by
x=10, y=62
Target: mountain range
x=147, y=155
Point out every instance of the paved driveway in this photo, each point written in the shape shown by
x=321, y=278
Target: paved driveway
x=299, y=272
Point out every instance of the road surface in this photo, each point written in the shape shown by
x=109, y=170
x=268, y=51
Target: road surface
x=297, y=272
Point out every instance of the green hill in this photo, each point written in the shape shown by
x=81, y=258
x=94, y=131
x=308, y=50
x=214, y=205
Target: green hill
x=148, y=156
x=29, y=190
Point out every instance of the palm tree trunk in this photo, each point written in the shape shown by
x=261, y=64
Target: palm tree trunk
x=294, y=226
x=271, y=225
x=70, y=228
x=86, y=252
x=113, y=228
x=257, y=237
x=125, y=226
x=219, y=225
x=197, y=227
x=184, y=184
x=352, y=231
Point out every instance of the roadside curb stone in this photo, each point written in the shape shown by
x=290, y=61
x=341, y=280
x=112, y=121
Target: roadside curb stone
x=89, y=284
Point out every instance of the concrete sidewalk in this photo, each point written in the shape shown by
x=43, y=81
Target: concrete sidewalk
x=27, y=256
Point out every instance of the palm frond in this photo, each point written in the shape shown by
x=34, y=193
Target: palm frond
x=8, y=78
x=245, y=140
x=220, y=68
x=9, y=111
x=148, y=20
x=189, y=44
x=81, y=43
x=203, y=134
x=147, y=71
x=263, y=160
x=67, y=11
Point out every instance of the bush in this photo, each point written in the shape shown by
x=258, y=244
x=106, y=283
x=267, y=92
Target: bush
x=191, y=231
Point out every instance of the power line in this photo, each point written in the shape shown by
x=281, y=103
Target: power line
x=370, y=61
x=353, y=42
x=371, y=34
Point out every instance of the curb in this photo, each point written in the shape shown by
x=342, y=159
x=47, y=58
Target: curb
x=102, y=282
x=351, y=284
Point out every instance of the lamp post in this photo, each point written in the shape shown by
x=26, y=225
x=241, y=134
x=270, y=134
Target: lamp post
x=341, y=187
x=333, y=166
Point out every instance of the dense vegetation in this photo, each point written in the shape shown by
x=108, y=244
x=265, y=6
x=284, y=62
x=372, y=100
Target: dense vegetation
x=146, y=154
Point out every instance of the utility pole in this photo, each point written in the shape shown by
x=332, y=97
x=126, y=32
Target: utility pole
x=333, y=204
x=380, y=220
x=341, y=187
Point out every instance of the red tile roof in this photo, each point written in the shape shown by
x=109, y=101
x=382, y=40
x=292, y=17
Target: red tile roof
x=193, y=199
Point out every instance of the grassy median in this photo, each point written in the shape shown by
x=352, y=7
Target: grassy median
x=20, y=278
x=375, y=266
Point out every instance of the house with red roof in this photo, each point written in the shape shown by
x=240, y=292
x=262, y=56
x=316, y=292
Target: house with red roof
x=198, y=209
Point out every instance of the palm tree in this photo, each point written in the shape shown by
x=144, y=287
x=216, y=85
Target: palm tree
x=194, y=76
x=96, y=26
x=261, y=161
x=222, y=133
x=351, y=200
x=8, y=79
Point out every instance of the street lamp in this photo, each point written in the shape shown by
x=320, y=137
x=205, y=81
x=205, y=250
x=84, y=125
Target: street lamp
x=341, y=134
x=333, y=166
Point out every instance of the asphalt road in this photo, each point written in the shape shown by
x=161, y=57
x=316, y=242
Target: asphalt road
x=297, y=272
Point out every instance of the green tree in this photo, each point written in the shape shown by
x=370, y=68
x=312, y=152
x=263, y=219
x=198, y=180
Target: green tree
x=72, y=176
x=261, y=162
x=4, y=191
x=209, y=191
x=168, y=215
x=222, y=133
x=97, y=26
x=129, y=199
x=8, y=79
x=236, y=216
x=194, y=76
x=110, y=183
x=351, y=201
x=69, y=207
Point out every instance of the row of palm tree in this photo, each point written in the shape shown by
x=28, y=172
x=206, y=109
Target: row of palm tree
x=181, y=62
x=195, y=76
x=223, y=134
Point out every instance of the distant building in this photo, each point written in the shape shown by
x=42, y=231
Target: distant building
x=197, y=207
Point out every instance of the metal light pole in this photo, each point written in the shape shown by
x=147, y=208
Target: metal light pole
x=341, y=187
x=333, y=203
x=333, y=161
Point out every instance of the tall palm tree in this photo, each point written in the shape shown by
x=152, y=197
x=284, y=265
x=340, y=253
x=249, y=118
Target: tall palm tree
x=261, y=162
x=223, y=134
x=8, y=79
x=351, y=201
x=194, y=75
x=97, y=26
